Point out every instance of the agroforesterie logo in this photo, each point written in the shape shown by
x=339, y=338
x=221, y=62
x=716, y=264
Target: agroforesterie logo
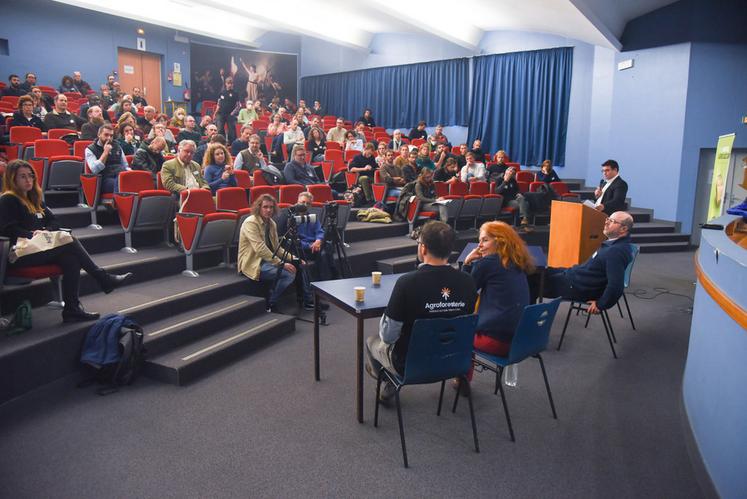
x=445, y=305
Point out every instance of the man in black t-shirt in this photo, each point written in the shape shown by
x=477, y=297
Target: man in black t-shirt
x=224, y=110
x=434, y=290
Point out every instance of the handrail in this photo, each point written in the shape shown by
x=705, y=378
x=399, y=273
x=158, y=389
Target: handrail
x=732, y=309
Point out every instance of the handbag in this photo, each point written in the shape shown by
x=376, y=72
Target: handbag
x=43, y=240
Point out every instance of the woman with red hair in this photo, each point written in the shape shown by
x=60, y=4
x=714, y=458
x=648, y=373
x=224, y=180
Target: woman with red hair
x=499, y=265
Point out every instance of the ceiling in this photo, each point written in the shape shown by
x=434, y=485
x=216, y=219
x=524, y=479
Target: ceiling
x=353, y=24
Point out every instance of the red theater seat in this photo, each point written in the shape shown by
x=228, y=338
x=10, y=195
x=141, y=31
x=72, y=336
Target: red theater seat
x=234, y=199
x=201, y=226
x=141, y=206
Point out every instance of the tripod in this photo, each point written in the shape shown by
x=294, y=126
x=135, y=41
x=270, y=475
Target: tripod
x=334, y=239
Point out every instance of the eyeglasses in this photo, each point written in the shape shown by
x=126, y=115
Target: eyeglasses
x=612, y=221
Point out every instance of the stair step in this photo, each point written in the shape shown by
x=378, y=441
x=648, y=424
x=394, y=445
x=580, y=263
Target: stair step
x=653, y=227
x=61, y=199
x=400, y=264
x=364, y=231
x=665, y=247
x=179, y=329
x=665, y=237
x=183, y=365
x=73, y=216
x=111, y=238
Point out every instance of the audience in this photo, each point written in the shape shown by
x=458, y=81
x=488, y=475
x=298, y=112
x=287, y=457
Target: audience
x=137, y=98
x=317, y=109
x=41, y=102
x=317, y=145
x=414, y=295
x=425, y=191
x=293, y=136
x=80, y=85
x=28, y=83
x=147, y=120
x=449, y=173
x=396, y=141
x=298, y=171
x=177, y=120
x=242, y=142
x=25, y=115
x=189, y=132
x=367, y=118
x=253, y=157
x=391, y=175
x=364, y=164
x=497, y=169
x=546, y=173
x=418, y=132
x=181, y=172
x=313, y=248
x=338, y=132
x=218, y=167
x=352, y=142
x=247, y=114
x=90, y=129
x=60, y=117
x=438, y=137
x=14, y=87
x=67, y=86
x=512, y=197
x=149, y=156
x=93, y=100
x=105, y=158
x=424, y=158
x=22, y=213
x=277, y=127
x=472, y=170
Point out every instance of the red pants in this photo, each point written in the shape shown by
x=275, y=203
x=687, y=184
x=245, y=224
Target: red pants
x=490, y=345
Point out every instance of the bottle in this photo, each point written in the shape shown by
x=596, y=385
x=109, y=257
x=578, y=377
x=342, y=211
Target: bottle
x=511, y=375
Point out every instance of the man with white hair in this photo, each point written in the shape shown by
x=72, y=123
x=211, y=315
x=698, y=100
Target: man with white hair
x=81, y=85
x=600, y=280
x=181, y=172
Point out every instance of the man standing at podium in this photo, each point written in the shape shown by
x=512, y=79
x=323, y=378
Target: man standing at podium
x=612, y=189
x=600, y=280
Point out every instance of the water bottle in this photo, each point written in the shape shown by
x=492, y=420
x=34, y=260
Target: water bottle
x=511, y=375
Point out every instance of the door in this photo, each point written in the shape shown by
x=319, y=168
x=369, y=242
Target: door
x=143, y=70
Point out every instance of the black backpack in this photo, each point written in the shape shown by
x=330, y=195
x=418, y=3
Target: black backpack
x=113, y=353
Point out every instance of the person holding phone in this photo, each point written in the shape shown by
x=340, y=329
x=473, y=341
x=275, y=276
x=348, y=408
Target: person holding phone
x=218, y=167
x=104, y=157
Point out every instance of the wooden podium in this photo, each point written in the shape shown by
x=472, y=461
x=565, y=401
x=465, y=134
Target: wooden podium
x=576, y=232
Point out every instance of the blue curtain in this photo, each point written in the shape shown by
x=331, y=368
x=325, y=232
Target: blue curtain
x=520, y=103
x=399, y=96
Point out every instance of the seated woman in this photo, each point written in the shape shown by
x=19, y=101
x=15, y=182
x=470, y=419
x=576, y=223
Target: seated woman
x=178, y=119
x=67, y=85
x=424, y=158
x=367, y=118
x=317, y=145
x=218, y=167
x=425, y=191
x=499, y=265
x=128, y=141
x=22, y=213
x=25, y=115
x=276, y=127
x=546, y=173
x=125, y=106
x=352, y=142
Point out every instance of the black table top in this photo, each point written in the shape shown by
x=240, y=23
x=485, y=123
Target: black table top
x=341, y=292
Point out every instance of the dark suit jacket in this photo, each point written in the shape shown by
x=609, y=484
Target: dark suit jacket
x=613, y=198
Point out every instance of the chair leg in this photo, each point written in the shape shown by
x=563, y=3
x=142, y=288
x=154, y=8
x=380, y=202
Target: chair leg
x=619, y=309
x=401, y=427
x=441, y=397
x=497, y=382
x=609, y=323
x=456, y=397
x=547, y=386
x=472, y=416
x=378, y=391
x=588, y=316
x=505, y=408
x=565, y=326
x=627, y=307
x=609, y=338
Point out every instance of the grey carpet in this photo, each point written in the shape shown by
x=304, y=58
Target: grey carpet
x=261, y=427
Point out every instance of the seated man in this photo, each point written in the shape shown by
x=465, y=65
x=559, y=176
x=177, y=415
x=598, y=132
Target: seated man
x=434, y=290
x=80, y=84
x=449, y=173
x=612, y=189
x=211, y=131
x=90, y=129
x=93, y=100
x=600, y=280
x=59, y=117
x=149, y=156
x=242, y=141
x=105, y=157
x=258, y=253
x=442, y=154
x=181, y=172
x=189, y=132
x=497, y=170
x=137, y=98
x=337, y=132
x=311, y=237
x=253, y=157
x=147, y=120
x=14, y=88
x=29, y=83
x=473, y=170
x=438, y=137
x=293, y=136
x=364, y=165
x=391, y=175
x=298, y=171
x=513, y=198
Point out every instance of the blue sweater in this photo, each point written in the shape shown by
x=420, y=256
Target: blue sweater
x=504, y=292
x=603, y=274
x=213, y=176
x=552, y=177
x=308, y=233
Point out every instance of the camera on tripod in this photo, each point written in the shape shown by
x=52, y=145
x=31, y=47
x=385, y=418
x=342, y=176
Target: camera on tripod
x=331, y=210
x=299, y=213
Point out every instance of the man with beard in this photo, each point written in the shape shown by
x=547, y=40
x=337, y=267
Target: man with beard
x=14, y=89
x=90, y=130
x=105, y=157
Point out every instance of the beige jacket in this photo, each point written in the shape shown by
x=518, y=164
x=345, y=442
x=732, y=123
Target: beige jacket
x=252, y=248
x=174, y=178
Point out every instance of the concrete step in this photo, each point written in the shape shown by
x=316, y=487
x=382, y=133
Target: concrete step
x=185, y=364
x=60, y=199
x=654, y=227
x=111, y=238
x=665, y=247
x=364, y=231
x=664, y=237
x=196, y=322
x=73, y=216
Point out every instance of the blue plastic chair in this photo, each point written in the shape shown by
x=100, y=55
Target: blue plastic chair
x=439, y=349
x=531, y=337
x=634, y=251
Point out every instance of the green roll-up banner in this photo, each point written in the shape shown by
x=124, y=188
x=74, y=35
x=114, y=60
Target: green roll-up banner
x=720, y=175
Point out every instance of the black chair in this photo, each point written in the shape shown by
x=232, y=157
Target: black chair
x=580, y=307
x=439, y=350
x=531, y=338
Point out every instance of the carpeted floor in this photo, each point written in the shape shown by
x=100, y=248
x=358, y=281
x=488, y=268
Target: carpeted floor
x=262, y=427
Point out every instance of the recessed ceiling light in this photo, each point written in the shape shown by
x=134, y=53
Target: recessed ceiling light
x=140, y=31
